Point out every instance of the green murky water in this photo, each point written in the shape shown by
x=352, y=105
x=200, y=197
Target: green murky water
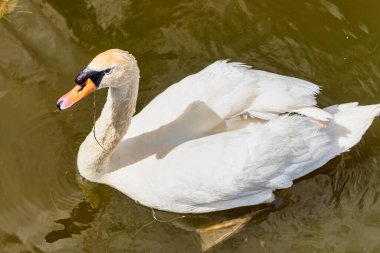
x=43, y=45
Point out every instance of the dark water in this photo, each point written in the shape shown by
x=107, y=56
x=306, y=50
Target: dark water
x=44, y=43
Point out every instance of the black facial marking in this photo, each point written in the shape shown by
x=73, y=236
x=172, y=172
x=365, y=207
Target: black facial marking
x=95, y=76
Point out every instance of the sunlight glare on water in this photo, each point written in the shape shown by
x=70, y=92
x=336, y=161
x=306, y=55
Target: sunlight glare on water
x=46, y=207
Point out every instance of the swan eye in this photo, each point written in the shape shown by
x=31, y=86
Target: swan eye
x=108, y=71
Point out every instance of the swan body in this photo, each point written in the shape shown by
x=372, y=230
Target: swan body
x=222, y=138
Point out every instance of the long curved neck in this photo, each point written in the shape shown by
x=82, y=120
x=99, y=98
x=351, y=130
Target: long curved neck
x=110, y=128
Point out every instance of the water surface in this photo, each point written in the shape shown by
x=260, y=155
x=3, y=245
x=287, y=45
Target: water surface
x=45, y=206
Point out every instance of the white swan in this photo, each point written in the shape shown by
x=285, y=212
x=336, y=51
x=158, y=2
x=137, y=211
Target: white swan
x=225, y=137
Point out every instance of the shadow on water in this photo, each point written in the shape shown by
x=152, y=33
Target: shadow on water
x=81, y=216
x=211, y=229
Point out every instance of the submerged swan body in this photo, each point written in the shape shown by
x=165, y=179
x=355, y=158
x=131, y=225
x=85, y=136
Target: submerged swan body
x=225, y=137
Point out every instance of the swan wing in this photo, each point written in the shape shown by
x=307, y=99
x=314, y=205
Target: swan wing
x=226, y=170
x=213, y=101
x=229, y=89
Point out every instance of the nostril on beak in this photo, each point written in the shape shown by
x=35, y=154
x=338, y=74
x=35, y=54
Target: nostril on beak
x=81, y=88
x=59, y=104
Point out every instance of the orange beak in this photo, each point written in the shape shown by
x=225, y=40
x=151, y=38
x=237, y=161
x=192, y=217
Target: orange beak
x=76, y=95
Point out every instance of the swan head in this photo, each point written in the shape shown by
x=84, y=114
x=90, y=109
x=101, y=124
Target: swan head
x=113, y=68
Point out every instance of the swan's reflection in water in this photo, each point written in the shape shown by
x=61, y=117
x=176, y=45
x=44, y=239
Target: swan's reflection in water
x=80, y=218
x=96, y=198
x=211, y=229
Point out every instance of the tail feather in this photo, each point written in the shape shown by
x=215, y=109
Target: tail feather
x=350, y=122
